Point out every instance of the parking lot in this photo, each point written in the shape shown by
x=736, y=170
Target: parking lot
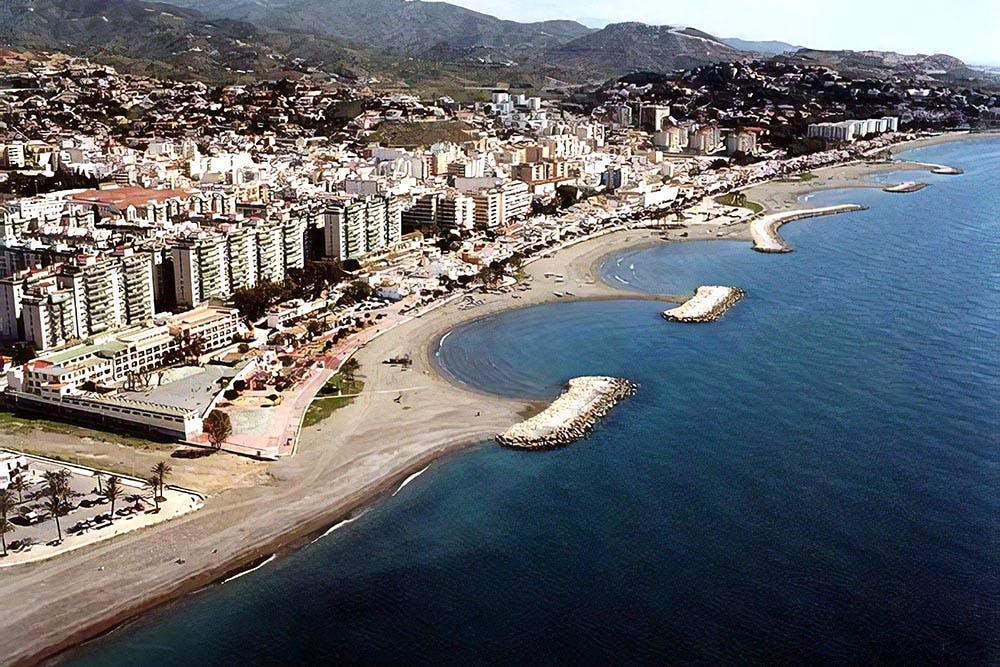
x=90, y=519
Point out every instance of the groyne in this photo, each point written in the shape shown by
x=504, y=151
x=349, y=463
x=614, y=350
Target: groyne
x=708, y=304
x=765, y=230
x=570, y=417
x=941, y=169
x=909, y=186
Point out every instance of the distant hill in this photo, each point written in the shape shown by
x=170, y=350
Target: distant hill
x=398, y=27
x=155, y=37
x=881, y=64
x=624, y=47
x=767, y=48
x=429, y=46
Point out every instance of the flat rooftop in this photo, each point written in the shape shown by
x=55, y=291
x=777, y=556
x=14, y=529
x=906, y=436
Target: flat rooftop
x=193, y=392
x=128, y=196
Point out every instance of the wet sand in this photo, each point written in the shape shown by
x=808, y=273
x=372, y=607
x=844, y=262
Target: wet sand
x=361, y=452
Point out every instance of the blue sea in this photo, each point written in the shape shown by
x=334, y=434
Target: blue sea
x=812, y=478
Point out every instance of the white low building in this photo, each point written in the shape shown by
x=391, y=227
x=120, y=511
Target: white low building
x=11, y=465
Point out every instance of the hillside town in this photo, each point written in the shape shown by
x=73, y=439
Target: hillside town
x=175, y=251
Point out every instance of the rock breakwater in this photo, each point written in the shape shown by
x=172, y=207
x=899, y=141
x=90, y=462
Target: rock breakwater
x=708, y=304
x=570, y=417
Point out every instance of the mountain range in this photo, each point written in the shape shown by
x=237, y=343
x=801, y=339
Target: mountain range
x=409, y=42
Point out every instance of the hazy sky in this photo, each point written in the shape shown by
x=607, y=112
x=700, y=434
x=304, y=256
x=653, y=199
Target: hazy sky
x=968, y=29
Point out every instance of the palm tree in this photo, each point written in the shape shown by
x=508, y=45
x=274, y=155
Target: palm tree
x=57, y=496
x=112, y=491
x=154, y=482
x=18, y=484
x=160, y=471
x=6, y=505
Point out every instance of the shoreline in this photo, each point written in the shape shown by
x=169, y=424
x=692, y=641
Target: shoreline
x=345, y=463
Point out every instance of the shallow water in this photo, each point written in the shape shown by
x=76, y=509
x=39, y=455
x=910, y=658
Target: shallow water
x=812, y=477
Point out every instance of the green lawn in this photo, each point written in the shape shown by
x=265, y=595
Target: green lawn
x=729, y=200
x=330, y=399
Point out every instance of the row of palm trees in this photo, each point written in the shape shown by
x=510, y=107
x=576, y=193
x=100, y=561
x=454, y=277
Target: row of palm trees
x=58, y=495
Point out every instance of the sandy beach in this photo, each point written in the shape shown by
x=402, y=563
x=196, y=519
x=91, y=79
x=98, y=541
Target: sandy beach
x=361, y=452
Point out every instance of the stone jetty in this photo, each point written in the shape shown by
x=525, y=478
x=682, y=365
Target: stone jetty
x=765, y=230
x=941, y=169
x=707, y=305
x=570, y=417
x=909, y=186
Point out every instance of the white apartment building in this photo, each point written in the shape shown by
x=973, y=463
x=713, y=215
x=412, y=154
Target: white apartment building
x=55, y=305
x=201, y=269
x=742, y=142
x=849, y=130
x=270, y=252
x=242, y=257
x=14, y=155
x=497, y=206
x=49, y=318
x=358, y=227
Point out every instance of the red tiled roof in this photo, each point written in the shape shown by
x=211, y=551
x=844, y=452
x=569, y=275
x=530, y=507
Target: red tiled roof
x=122, y=198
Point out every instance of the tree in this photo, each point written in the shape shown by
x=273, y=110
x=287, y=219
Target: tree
x=6, y=507
x=23, y=354
x=349, y=368
x=153, y=483
x=315, y=328
x=356, y=291
x=112, y=491
x=20, y=486
x=160, y=472
x=57, y=496
x=217, y=427
x=193, y=347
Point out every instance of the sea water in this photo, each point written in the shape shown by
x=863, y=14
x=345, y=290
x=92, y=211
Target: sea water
x=814, y=477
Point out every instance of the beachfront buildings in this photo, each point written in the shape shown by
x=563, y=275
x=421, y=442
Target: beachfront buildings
x=84, y=296
x=496, y=202
x=81, y=382
x=849, y=130
x=441, y=210
x=214, y=262
x=355, y=228
x=741, y=141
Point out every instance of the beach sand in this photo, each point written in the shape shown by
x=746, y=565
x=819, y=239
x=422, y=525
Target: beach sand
x=786, y=195
x=361, y=452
